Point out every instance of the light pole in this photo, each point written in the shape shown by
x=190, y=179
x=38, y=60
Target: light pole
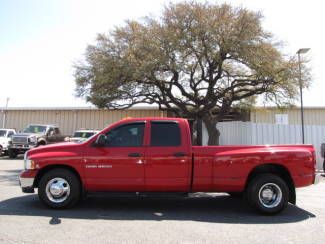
x=301, y=51
x=4, y=114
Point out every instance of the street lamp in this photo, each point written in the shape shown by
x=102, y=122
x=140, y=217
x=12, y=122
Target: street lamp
x=301, y=51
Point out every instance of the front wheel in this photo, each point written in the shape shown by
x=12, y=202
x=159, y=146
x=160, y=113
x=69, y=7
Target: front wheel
x=12, y=153
x=268, y=193
x=59, y=188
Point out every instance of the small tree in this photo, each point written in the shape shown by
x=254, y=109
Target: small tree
x=196, y=60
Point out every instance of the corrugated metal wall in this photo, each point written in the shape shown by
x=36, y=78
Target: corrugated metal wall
x=312, y=116
x=248, y=133
x=72, y=119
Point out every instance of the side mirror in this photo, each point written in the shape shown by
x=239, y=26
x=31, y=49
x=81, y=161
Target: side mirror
x=100, y=141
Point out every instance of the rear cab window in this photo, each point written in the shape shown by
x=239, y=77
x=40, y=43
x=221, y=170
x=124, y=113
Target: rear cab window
x=165, y=134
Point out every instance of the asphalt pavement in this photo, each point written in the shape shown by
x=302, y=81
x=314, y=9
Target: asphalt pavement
x=201, y=218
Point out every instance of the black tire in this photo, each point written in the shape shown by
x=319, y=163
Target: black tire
x=41, y=143
x=236, y=194
x=273, y=184
x=12, y=153
x=71, y=180
x=324, y=166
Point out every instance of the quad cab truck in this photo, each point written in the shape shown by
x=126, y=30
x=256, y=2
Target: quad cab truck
x=32, y=136
x=155, y=155
x=5, y=138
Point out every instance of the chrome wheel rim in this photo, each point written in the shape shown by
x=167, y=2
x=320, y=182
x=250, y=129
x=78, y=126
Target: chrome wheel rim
x=270, y=195
x=57, y=190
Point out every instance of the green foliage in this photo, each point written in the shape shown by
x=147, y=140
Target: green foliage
x=197, y=60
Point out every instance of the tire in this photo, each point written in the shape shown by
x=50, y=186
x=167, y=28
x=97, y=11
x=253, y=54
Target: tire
x=41, y=143
x=276, y=194
x=235, y=194
x=12, y=153
x=65, y=190
x=324, y=166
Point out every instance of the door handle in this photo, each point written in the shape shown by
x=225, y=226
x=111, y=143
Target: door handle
x=179, y=154
x=134, y=155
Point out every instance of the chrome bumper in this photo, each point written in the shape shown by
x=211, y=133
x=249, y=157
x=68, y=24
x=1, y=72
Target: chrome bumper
x=26, y=182
x=317, y=178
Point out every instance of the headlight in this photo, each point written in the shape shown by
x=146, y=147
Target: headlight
x=28, y=164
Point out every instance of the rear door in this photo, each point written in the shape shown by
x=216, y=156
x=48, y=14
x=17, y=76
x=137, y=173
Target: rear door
x=168, y=159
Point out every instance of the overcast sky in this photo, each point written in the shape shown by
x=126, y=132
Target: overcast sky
x=40, y=40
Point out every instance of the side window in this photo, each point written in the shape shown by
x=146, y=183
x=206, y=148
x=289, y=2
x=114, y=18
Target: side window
x=129, y=135
x=10, y=133
x=57, y=131
x=165, y=134
x=50, y=132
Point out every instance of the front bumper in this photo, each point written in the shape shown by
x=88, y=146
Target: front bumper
x=22, y=146
x=27, y=184
x=26, y=181
x=317, y=178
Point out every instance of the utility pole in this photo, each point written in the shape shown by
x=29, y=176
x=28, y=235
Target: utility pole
x=4, y=113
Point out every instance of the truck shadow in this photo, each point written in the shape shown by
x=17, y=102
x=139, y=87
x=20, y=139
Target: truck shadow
x=202, y=207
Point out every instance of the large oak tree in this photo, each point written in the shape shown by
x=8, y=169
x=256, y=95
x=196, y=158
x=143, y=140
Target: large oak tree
x=196, y=60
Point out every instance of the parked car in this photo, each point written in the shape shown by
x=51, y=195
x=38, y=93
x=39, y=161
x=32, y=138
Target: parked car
x=81, y=135
x=5, y=138
x=32, y=136
x=155, y=155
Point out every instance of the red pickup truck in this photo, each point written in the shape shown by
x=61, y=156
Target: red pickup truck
x=155, y=155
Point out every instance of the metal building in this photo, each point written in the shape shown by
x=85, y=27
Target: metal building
x=291, y=116
x=71, y=119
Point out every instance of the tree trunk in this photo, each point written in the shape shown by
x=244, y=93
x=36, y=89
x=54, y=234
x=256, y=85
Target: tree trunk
x=213, y=132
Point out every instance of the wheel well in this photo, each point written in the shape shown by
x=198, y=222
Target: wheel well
x=41, y=142
x=277, y=170
x=55, y=166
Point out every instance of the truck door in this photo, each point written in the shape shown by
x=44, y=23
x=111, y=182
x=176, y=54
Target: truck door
x=119, y=165
x=168, y=162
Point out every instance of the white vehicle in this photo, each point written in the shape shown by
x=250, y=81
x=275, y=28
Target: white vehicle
x=82, y=135
x=5, y=138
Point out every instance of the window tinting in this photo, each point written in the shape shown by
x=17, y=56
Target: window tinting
x=164, y=134
x=130, y=135
x=3, y=133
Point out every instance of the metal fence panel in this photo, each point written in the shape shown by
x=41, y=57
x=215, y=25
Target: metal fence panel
x=248, y=133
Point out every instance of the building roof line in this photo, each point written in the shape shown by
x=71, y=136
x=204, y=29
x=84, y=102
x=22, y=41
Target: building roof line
x=76, y=108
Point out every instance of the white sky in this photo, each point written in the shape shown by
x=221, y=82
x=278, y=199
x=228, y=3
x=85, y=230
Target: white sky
x=40, y=41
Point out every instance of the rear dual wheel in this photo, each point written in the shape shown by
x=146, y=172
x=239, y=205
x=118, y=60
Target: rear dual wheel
x=268, y=193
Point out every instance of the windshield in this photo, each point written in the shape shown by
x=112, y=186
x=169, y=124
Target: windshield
x=38, y=129
x=83, y=134
x=2, y=133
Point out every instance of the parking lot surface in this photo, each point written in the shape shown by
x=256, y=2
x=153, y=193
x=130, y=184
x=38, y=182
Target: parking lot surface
x=201, y=218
